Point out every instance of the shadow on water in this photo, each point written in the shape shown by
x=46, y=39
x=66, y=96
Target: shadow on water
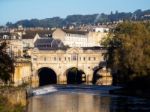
x=129, y=104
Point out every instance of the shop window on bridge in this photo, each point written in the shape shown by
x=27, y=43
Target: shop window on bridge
x=84, y=58
x=80, y=58
x=74, y=57
x=89, y=58
x=35, y=58
x=59, y=59
x=44, y=58
x=69, y=58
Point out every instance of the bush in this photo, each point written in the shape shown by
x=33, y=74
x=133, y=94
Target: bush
x=5, y=106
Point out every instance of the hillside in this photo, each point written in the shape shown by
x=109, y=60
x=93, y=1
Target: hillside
x=83, y=19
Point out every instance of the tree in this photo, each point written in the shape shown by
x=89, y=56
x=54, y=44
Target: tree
x=6, y=64
x=129, y=50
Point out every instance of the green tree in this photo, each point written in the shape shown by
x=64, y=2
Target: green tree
x=129, y=50
x=6, y=64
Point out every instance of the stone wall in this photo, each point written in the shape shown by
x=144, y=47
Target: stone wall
x=22, y=73
x=14, y=95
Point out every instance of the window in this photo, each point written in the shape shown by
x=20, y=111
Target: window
x=59, y=59
x=54, y=58
x=44, y=58
x=65, y=58
x=69, y=58
x=89, y=58
x=84, y=58
x=34, y=59
x=80, y=58
x=94, y=58
x=74, y=57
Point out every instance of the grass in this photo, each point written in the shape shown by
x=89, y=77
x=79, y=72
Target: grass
x=5, y=106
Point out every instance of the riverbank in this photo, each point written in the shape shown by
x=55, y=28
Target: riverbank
x=12, y=99
x=127, y=91
x=138, y=87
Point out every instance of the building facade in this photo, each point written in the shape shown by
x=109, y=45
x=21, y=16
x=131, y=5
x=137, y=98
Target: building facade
x=22, y=72
x=59, y=50
x=73, y=38
x=62, y=60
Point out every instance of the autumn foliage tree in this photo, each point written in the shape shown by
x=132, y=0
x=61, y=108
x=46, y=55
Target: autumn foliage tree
x=129, y=50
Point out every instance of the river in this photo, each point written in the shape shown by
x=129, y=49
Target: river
x=95, y=99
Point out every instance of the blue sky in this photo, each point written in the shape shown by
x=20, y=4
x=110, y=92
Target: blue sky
x=14, y=10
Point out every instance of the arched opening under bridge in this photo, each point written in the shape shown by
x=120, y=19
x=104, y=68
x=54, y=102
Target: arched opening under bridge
x=75, y=76
x=47, y=76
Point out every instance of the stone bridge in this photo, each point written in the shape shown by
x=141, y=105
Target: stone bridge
x=59, y=61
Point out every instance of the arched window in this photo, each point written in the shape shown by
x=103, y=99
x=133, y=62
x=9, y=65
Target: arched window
x=74, y=56
x=59, y=59
x=69, y=58
x=65, y=59
x=44, y=58
x=89, y=58
x=84, y=58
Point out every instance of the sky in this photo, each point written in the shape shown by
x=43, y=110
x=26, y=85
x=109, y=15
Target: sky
x=14, y=10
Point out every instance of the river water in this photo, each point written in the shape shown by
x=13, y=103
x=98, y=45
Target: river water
x=86, y=100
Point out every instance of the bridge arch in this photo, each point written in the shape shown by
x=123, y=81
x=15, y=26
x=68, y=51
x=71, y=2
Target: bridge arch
x=46, y=76
x=101, y=76
x=75, y=76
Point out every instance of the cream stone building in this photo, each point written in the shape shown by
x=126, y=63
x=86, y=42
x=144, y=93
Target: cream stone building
x=14, y=44
x=71, y=38
x=61, y=60
x=22, y=72
x=15, y=48
x=74, y=38
x=95, y=38
x=66, y=49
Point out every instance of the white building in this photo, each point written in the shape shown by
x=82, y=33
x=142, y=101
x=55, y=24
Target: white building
x=74, y=38
x=101, y=29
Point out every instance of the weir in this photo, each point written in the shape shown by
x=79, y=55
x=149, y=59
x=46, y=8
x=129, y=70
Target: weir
x=55, y=88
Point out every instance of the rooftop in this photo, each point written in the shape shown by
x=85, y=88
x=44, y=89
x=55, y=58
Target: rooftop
x=75, y=32
x=30, y=34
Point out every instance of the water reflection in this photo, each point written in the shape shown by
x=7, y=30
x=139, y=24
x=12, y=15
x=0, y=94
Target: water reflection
x=85, y=102
x=68, y=102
